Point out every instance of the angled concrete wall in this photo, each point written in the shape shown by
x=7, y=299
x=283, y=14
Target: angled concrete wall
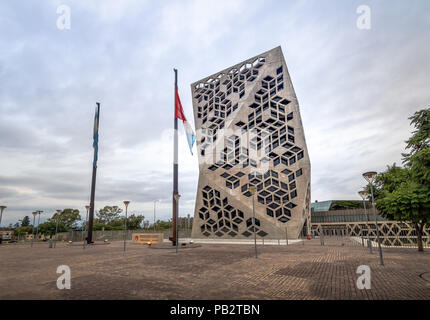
x=250, y=135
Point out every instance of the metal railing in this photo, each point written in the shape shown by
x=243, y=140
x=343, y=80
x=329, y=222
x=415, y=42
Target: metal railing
x=392, y=233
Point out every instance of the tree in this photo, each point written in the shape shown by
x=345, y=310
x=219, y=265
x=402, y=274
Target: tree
x=108, y=214
x=404, y=193
x=409, y=202
x=388, y=181
x=134, y=222
x=115, y=225
x=50, y=226
x=25, y=221
x=68, y=218
x=23, y=230
x=418, y=158
x=420, y=139
x=163, y=225
x=97, y=226
x=420, y=166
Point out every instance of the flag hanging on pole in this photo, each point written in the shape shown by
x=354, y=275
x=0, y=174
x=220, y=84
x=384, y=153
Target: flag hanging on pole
x=179, y=114
x=96, y=135
x=93, y=180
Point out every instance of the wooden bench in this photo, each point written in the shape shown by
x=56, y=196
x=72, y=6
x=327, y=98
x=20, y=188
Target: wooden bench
x=147, y=238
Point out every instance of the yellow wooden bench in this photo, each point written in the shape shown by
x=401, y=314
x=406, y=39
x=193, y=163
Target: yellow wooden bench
x=148, y=238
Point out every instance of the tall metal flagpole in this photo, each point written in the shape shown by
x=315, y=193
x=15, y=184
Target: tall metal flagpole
x=175, y=167
x=93, y=181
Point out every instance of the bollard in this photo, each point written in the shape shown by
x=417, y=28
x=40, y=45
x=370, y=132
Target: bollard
x=362, y=241
x=50, y=243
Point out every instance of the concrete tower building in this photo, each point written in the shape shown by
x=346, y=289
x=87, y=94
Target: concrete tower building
x=250, y=135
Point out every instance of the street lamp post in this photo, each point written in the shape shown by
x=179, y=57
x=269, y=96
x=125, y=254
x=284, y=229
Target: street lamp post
x=370, y=178
x=253, y=190
x=56, y=227
x=188, y=224
x=363, y=194
x=38, y=222
x=19, y=232
x=1, y=212
x=125, y=223
x=177, y=196
x=86, y=219
x=34, y=213
x=155, y=201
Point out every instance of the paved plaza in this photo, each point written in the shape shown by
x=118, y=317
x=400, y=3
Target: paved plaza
x=213, y=271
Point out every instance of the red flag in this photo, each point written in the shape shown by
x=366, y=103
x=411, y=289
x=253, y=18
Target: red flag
x=179, y=112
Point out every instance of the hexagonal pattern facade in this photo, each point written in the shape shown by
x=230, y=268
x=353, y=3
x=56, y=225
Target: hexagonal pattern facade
x=250, y=136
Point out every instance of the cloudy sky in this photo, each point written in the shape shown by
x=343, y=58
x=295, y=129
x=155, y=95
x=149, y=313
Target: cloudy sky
x=356, y=89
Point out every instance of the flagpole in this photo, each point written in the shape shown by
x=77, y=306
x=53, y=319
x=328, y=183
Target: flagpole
x=175, y=169
x=93, y=181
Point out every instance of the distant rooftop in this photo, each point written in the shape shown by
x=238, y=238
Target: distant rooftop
x=330, y=205
x=321, y=205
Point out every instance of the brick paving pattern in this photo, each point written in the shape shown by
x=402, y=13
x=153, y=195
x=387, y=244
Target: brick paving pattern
x=213, y=271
